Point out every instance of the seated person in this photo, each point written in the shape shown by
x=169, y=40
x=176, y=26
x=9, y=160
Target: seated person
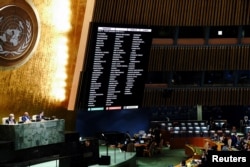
x=224, y=139
x=246, y=122
x=40, y=116
x=26, y=118
x=11, y=120
x=234, y=139
x=215, y=137
x=234, y=129
x=207, y=147
x=213, y=126
x=239, y=143
x=227, y=146
x=247, y=137
x=225, y=126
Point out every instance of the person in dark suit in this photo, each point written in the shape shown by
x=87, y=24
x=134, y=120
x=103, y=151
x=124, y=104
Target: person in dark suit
x=40, y=116
x=11, y=120
x=26, y=118
x=246, y=121
x=213, y=126
x=225, y=126
x=157, y=135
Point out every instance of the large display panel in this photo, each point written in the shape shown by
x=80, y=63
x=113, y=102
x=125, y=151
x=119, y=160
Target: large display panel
x=117, y=59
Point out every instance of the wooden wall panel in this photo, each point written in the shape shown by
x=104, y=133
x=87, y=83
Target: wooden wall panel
x=186, y=58
x=198, y=58
x=173, y=12
x=191, y=97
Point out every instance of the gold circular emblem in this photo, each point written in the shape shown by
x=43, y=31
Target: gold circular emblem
x=19, y=33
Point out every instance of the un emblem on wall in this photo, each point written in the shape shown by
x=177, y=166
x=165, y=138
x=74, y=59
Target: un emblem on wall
x=19, y=33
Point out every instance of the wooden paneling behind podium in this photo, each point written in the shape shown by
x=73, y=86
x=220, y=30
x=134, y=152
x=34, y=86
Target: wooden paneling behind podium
x=30, y=87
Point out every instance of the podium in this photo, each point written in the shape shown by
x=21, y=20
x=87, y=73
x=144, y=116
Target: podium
x=33, y=134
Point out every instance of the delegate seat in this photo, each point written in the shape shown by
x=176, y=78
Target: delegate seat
x=197, y=131
x=183, y=124
x=195, y=124
x=169, y=124
x=202, y=124
x=227, y=132
x=183, y=131
x=204, y=131
x=176, y=131
x=211, y=133
x=190, y=131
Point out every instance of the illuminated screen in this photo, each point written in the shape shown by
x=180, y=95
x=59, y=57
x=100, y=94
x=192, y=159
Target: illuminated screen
x=117, y=59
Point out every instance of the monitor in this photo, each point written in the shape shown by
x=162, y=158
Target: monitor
x=115, y=73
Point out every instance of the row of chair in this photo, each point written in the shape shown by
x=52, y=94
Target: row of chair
x=191, y=128
x=202, y=123
x=203, y=131
x=218, y=123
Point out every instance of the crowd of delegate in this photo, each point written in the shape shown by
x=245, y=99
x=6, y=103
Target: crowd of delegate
x=233, y=140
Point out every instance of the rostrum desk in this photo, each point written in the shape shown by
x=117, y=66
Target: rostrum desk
x=38, y=142
x=33, y=134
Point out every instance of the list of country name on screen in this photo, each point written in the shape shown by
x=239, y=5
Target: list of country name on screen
x=119, y=63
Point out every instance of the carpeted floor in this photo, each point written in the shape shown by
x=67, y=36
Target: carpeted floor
x=167, y=158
